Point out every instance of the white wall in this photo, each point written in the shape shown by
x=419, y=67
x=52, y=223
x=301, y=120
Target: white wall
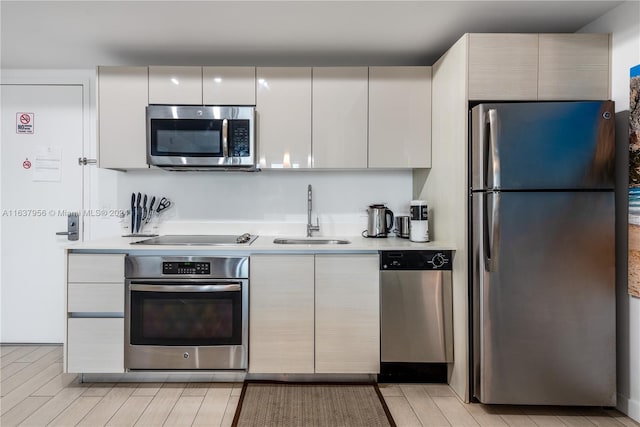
x=624, y=24
x=268, y=202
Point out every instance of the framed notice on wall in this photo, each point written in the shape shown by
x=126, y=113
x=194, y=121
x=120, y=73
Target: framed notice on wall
x=634, y=183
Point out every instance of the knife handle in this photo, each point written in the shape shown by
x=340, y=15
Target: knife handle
x=133, y=212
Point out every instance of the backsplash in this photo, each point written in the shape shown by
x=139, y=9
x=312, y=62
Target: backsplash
x=273, y=202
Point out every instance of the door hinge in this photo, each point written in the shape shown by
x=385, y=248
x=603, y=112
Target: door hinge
x=83, y=161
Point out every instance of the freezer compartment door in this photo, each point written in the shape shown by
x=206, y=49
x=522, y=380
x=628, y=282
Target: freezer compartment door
x=543, y=145
x=543, y=298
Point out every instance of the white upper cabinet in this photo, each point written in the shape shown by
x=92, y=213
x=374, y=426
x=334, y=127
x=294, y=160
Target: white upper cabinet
x=229, y=85
x=122, y=134
x=503, y=66
x=574, y=66
x=399, y=117
x=175, y=85
x=283, y=117
x=339, y=138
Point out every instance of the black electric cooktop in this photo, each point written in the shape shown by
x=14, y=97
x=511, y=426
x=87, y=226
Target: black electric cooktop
x=199, y=240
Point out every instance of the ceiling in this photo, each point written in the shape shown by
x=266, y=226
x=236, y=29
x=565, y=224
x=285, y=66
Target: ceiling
x=84, y=34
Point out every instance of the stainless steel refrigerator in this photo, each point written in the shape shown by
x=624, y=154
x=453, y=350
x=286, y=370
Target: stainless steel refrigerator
x=542, y=253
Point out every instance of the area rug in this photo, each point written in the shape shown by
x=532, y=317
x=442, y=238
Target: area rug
x=311, y=404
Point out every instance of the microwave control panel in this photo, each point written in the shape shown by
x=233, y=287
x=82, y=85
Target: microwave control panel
x=239, y=138
x=186, y=268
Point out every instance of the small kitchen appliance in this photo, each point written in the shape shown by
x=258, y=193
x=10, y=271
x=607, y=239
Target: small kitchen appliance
x=200, y=137
x=380, y=221
x=402, y=226
x=419, y=228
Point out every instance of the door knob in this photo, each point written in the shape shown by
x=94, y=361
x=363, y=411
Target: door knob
x=72, y=232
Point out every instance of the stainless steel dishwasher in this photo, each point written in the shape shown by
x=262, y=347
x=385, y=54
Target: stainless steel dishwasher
x=416, y=315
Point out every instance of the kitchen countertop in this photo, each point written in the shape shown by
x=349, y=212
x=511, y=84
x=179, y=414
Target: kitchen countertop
x=263, y=244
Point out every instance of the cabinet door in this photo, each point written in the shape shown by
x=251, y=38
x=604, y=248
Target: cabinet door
x=175, y=85
x=339, y=138
x=399, y=117
x=281, y=314
x=347, y=314
x=229, y=85
x=283, y=116
x=574, y=67
x=503, y=67
x=95, y=345
x=123, y=94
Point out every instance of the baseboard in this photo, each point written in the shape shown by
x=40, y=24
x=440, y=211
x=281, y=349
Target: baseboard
x=630, y=407
x=391, y=372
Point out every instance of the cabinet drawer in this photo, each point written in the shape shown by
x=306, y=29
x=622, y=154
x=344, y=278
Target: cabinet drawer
x=96, y=297
x=96, y=268
x=95, y=345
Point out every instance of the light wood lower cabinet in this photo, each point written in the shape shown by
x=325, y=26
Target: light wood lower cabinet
x=314, y=313
x=347, y=314
x=95, y=345
x=281, y=314
x=95, y=313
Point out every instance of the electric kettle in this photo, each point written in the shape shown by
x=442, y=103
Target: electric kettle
x=380, y=221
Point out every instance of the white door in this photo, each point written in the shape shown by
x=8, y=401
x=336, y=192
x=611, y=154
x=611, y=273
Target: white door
x=42, y=132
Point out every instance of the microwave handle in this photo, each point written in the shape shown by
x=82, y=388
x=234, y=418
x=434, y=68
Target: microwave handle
x=225, y=140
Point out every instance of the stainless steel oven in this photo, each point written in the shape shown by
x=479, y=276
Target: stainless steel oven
x=186, y=312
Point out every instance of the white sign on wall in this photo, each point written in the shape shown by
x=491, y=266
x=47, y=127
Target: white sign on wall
x=24, y=122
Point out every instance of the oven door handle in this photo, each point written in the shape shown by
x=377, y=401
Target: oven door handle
x=140, y=287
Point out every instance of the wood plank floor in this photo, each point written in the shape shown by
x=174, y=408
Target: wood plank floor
x=35, y=392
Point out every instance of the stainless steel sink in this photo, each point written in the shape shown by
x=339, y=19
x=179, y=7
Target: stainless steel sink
x=311, y=241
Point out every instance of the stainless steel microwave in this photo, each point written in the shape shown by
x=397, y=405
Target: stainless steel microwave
x=200, y=137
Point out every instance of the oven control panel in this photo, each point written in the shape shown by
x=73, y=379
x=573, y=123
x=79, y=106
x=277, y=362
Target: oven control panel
x=186, y=268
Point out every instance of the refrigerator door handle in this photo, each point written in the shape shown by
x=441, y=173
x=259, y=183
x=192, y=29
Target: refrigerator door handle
x=491, y=118
x=493, y=227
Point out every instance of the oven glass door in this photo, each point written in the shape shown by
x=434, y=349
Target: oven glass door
x=186, y=137
x=174, y=314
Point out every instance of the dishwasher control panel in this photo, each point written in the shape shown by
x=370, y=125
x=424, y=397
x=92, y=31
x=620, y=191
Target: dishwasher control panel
x=416, y=260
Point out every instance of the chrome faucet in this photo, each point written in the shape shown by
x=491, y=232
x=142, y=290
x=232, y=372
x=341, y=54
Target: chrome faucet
x=310, y=227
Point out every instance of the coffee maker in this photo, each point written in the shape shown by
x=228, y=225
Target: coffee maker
x=419, y=221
